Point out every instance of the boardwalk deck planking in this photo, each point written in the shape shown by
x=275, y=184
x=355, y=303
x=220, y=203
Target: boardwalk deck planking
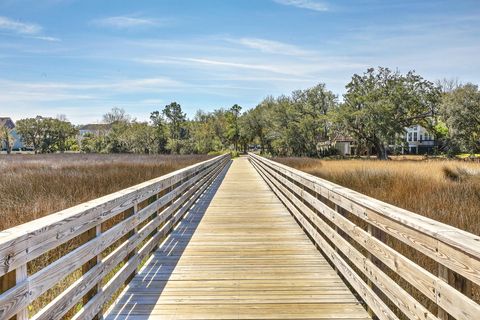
x=238, y=253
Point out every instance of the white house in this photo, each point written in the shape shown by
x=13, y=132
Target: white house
x=345, y=145
x=419, y=140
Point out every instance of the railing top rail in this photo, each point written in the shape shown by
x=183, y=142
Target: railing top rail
x=340, y=220
x=18, y=241
x=17, y=231
x=461, y=240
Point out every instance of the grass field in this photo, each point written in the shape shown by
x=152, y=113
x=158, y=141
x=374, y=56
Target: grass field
x=447, y=191
x=32, y=186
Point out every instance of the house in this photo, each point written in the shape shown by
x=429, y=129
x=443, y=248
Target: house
x=419, y=140
x=17, y=139
x=345, y=145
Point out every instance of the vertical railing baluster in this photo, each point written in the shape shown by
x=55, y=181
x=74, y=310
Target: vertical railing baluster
x=20, y=275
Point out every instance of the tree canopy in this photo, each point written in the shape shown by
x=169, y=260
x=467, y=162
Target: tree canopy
x=375, y=111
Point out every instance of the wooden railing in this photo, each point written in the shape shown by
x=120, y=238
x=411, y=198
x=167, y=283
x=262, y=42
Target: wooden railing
x=402, y=265
x=101, y=244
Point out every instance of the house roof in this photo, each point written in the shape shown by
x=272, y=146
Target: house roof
x=342, y=138
x=7, y=122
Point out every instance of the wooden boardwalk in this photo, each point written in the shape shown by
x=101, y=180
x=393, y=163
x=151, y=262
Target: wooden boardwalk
x=237, y=254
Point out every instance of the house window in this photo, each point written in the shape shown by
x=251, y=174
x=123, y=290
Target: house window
x=409, y=136
x=421, y=137
x=415, y=136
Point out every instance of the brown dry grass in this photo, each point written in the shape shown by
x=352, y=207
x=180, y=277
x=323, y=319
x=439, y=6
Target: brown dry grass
x=32, y=186
x=447, y=191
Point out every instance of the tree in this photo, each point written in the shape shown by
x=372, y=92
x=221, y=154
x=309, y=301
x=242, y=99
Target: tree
x=139, y=137
x=62, y=131
x=46, y=134
x=203, y=135
x=31, y=130
x=116, y=115
x=233, y=131
x=119, y=121
x=380, y=104
x=161, y=135
x=175, y=118
x=461, y=111
x=6, y=137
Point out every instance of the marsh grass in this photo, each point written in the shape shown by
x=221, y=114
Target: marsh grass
x=446, y=191
x=32, y=186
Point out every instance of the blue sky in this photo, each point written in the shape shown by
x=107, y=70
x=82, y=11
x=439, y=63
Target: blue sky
x=81, y=58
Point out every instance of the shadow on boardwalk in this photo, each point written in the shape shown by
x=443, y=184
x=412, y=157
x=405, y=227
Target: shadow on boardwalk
x=150, y=282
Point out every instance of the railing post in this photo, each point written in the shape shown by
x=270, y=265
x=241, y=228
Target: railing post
x=379, y=235
x=9, y=280
x=89, y=235
x=443, y=273
x=458, y=282
x=20, y=275
x=135, y=250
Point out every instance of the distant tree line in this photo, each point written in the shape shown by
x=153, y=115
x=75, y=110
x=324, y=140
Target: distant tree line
x=375, y=110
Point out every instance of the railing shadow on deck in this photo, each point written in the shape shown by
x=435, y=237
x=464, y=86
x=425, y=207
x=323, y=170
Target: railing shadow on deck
x=165, y=259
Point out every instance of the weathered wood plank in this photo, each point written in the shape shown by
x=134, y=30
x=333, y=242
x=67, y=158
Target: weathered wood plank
x=28, y=288
x=402, y=299
x=226, y=256
x=456, y=303
x=24, y=243
x=452, y=247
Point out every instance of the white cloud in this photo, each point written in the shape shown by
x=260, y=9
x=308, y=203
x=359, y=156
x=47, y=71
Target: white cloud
x=125, y=22
x=16, y=91
x=297, y=68
x=51, y=39
x=270, y=46
x=304, y=4
x=23, y=28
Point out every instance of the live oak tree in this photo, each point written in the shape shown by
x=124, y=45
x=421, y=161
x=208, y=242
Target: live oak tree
x=380, y=104
x=45, y=134
x=461, y=110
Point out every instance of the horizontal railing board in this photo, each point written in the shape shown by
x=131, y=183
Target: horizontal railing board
x=70, y=296
x=94, y=305
x=437, y=289
x=428, y=236
x=409, y=306
x=26, y=242
x=180, y=184
x=47, y=277
x=366, y=293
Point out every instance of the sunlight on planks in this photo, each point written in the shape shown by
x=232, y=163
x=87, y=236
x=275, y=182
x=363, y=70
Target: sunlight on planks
x=238, y=253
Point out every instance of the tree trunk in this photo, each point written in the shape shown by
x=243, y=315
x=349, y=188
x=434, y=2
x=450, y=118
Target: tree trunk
x=381, y=151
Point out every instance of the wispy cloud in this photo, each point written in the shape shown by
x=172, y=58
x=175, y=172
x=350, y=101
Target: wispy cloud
x=18, y=27
x=304, y=4
x=270, y=46
x=46, y=38
x=24, y=29
x=210, y=63
x=126, y=22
